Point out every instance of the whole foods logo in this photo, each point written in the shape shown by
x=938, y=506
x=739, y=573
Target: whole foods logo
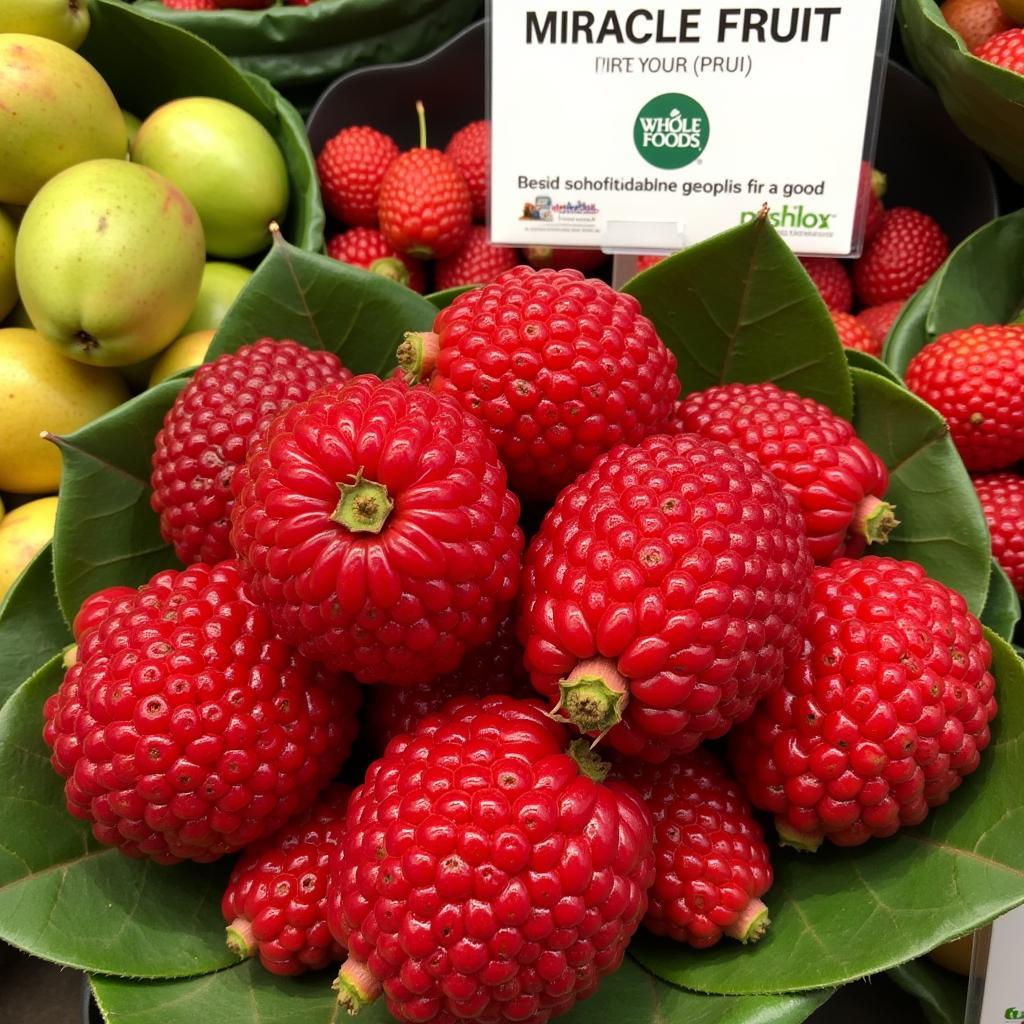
x=671, y=131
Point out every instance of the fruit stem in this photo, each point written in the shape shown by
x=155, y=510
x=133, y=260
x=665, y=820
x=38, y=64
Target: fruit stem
x=752, y=923
x=241, y=940
x=417, y=355
x=392, y=268
x=356, y=986
x=879, y=183
x=70, y=658
x=874, y=520
x=592, y=697
x=588, y=762
x=364, y=506
x=421, y=116
x=802, y=842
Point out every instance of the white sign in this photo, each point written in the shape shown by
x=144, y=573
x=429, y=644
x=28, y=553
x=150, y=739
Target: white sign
x=1003, y=1000
x=649, y=128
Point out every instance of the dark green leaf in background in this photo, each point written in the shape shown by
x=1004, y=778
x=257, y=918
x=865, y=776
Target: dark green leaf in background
x=942, y=994
x=1002, y=605
x=910, y=332
x=862, y=361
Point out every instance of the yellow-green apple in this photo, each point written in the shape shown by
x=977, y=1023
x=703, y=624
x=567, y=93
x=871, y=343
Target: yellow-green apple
x=8, y=286
x=221, y=283
x=63, y=21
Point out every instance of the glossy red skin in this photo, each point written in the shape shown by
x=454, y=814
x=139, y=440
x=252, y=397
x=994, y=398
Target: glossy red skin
x=362, y=247
x=710, y=856
x=96, y=606
x=647, y=261
x=1005, y=50
x=483, y=877
x=832, y=281
x=279, y=886
x=975, y=21
x=477, y=262
x=351, y=168
x=907, y=250
x=815, y=455
x=1002, y=499
x=853, y=334
x=209, y=428
x=191, y=5
x=186, y=730
x=881, y=717
x=405, y=605
x=683, y=562
x=470, y=151
x=559, y=368
x=975, y=378
x=878, y=321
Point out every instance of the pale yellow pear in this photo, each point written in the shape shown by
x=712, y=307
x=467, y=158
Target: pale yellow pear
x=956, y=955
x=64, y=21
x=56, y=111
x=23, y=534
x=188, y=351
x=109, y=261
x=221, y=284
x=8, y=286
x=43, y=391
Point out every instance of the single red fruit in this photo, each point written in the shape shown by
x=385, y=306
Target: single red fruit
x=664, y=593
x=647, y=261
x=853, y=334
x=477, y=262
x=210, y=427
x=544, y=257
x=711, y=864
x=831, y=280
x=880, y=718
x=975, y=21
x=243, y=5
x=495, y=667
x=367, y=248
x=878, y=321
x=191, y=5
x=376, y=527
x=1005, y=50
x=186, y=730
x=470, y=151
x=275, y=902
x=559, y=369
x=837, y=482
x=975, y=378
x=907, y=250
x=96, y=607
x=486, y=875
x=351, y=167
x=1002, y=499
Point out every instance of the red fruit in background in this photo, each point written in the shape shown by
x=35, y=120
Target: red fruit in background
x=509, y=880
x=870, y=208
x=975, y=21
x=209, y=428
x=544, y=257
x=191, y=5
x=831, y=280
x=853, y=334
x=244, y=5
x=495, y=667
x=835, y=479
x=275, y=902
x=666, y=588
x=878, y=321
x=96, y=607
x=186, y=730
x=558, y=368
x=477, y=262
x=367, y=248
x=1005, y=50
x=375, y=526
x=880, y=718
x=907, y=250
x=351, y=167
x=645, y=262
x=1002, y=499
x=975, y=378
x=711, y=863
x=470, y=151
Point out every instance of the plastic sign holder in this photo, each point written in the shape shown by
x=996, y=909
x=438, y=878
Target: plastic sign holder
x=638, y=128
x=995, y=994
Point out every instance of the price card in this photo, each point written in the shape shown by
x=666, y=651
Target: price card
x=997, y=977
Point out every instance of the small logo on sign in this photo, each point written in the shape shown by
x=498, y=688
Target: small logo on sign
x=671, y=131
x=1012, y=1013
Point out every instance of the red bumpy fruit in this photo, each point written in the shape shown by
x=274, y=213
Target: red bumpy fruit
x=907, y=250
x=275, y=902
x=470, y=151
x=210, y=427
x=186, y=730
x=975, y=21
x=646, y=261
x=835, y=479
x=486, y=875
x=96, y=607
x=975, y=378
x=191, y=5
x=367, y=248
x=477, y=262
x=711, y=864
x=831, y=280
x=884, y=713
x=559, y=368
x=853, y=334
x=664, y=593
x=1005, y=50
x=351, y=168
x=494, y=667
x=878, y=321
x=1002, y=499
x=375, y=525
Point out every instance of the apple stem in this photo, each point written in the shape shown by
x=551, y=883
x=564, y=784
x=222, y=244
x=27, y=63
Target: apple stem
x=421, y=116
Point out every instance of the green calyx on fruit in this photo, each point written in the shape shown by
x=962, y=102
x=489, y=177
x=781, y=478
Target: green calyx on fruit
x=392, y=268
x=802, y=842
x=364, y=506
x=356, y=986
x=241, y=940
x=874, y=520
x=879, y=183
x=588, y=761
x=752, y=923
x=417, y=355
x=593, y=697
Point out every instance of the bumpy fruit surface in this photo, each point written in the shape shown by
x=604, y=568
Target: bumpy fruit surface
x=191, y=5
x=351, y=167
x=831, y=280
x=97, y=606
x=975, y=21
x=558, y=367
x=494, y=667
x=884, y=713
x=853, y=334
x=275, y=902
x=666, y=588
x=975, y=378
x=878, y=321
x=477, y=262
x=486, y=875
x=375, y=525
x=367, y=248
x=210, y=427
x=907, y=250
x=646, y=261
x=711, y=862
x=470, y=151
x=1005, y=50
x=186, y=730
x=836, y=480
x=1002, y=499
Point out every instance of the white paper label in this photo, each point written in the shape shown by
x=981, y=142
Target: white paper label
x=1003, y=1001
x=653, y=127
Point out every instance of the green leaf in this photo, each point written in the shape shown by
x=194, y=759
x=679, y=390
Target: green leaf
x=942, y=525
x=740, y=308
x=862, y=361
x=942, y=994
x=442, y=300
x=32, y=629
x=838, y=915
x=66, y=898
x=908, y=334
x=1002, y=605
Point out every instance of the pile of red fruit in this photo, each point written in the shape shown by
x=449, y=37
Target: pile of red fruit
x=990, y=30
x=699, y=571
x=225, y=5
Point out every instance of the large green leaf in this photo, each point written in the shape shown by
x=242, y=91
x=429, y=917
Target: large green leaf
x=740, y=307
x=64, y=897
x=942, y=525
x=942, y=994
x=839, y=914
x=1002, y=605
x=908, y=334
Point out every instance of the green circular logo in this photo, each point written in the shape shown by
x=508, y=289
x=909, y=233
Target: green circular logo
x=671, y=131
